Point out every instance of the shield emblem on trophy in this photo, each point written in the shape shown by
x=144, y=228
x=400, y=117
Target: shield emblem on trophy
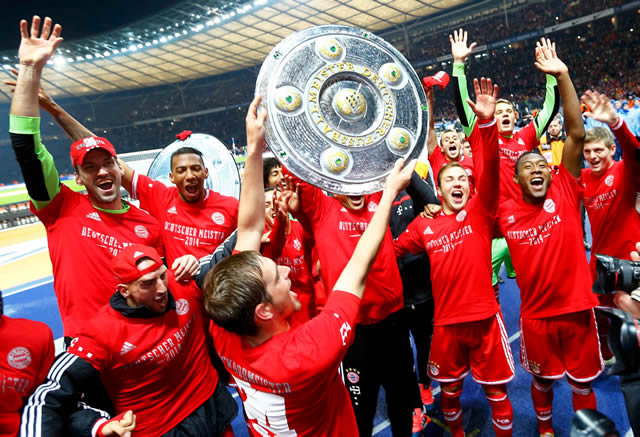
x=343, y=105
x=223, y=173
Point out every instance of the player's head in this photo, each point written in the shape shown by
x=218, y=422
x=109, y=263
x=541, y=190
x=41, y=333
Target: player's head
x=271, y=172
x=453, y=187
x=555, y=127
x=354, y=203
x=599, y=148
x=97, y=169
x=188, y=174
x=505, y=115
x=142, y=277
x=247, y=291
x=269, y=210
x=618, y=105
x=466, y=147
x=451, y=145
x=533, y=175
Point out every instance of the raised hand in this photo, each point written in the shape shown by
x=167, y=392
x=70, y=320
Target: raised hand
x=547, y=59
x=44, y=99
x=255, y=126
x=290, y=195
x=600, y=107
x=399, y=177
x=486, y=95
x=37, y=49
x=185, y=267
x=459, y=48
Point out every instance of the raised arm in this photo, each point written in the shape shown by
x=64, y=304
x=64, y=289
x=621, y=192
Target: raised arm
x=354, y=275
x=432, y=139
x=460, y=52
x=548, y=62
x=602, y=110
x=36, y=163
x=552, y=93
x=251, y=210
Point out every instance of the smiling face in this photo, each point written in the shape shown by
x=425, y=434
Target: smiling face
x=533, y=176
x=101, y=176
x=599, y=155
x=453, y=188
x=278, y=287
x=505, y=116
x=353, y=203
x=450, y=145
x=188, y=174
x=149, y=290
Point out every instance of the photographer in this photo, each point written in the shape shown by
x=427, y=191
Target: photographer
x=630, y=302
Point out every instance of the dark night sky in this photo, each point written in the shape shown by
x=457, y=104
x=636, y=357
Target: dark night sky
x=79, y=18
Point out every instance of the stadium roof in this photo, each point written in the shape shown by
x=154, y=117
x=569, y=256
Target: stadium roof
x=206, y=38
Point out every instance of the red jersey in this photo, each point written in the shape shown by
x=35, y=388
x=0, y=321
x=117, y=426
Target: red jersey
x=438, y=160
x=545, y=241
x=187, y=228
x=26, y=354
x=612, y=200
x=156, y=366
x=290, y=385
x=336, y=231
x=510, y=150
x=82, y=240
x=296, y=254
x=459, y=245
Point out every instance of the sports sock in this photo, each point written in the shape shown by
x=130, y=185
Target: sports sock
x=501, y=411
x=451, y=408
x=542, y=396
x=583, y=395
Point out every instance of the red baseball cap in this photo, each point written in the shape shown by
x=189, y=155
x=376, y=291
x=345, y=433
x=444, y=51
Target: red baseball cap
x=80, y=148
x=441, y=79
x=125, y=264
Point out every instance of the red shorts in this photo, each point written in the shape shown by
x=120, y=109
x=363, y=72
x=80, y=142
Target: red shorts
x=480, y=347
x=566, y=344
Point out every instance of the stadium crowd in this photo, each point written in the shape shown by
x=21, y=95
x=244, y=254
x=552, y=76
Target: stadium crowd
x=200, y=290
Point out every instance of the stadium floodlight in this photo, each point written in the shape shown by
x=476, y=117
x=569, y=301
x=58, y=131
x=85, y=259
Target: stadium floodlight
x=79, y=58
x=123, y=49
x=59, y=60
x=184, y=32
x=163, y=39
x=232, y=14
x=177, y=35
x=140, y=45
x=216, y=20
x=132, y=48
x=89, y=57
x=155, y=41
x=147, y=44
x=69, y=60
x=107, y=53
x=209, y=23
x=116, y=51
x=170, y=37
x=130, y=38
x=6, y=66
x=162, y=29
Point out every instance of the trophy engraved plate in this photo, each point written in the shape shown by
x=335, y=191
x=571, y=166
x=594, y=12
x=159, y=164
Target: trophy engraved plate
x=223, y=178
x=343, y=105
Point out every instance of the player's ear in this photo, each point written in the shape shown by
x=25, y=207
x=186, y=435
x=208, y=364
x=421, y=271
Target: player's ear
x=439, y=192
x=264, y=312
x=171, y=178
x=206, y=172
x=77, y=177
x=123, y=290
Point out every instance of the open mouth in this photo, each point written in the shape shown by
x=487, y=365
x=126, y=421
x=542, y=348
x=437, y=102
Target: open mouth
x=453, y=149
x=356, y=201
x=191, y=189
x=457, y=195
x=162, y=301
x=537, y=182
x=506, y=122
x=105, y=185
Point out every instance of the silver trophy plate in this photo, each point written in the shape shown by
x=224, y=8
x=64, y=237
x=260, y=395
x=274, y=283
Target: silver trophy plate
x=343, y=105
x=223, y=172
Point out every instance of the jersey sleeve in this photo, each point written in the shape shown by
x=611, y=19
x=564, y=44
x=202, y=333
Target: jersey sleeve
x=461, y=92
x=630, y=149
x=36, y=163
x=208, y=262
x=569, y=185
x=151, y=194
x=322, y=342
x=487, y=173
x=421, y=192
x=410, y=241
x=549, y=108
x=49, y=407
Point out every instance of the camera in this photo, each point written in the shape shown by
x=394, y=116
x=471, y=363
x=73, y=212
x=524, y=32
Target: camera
x=592, y=423
x=615, y=274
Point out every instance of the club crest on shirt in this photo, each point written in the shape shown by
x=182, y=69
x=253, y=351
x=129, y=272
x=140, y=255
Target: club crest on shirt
x=296, y=244
x=19, y=357
x=141, y=231
x=608, y=181
x=461, y=216
x=217, y=218
x=182, y=307
x=372, y=206
x=549, y=206
x=434, y=368
x=353, y=377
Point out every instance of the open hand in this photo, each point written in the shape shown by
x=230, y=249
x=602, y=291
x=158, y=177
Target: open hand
x=547, y=59
x=459, y=48
x=400, y=176
x=255, y=126
x=37, y=49
x=486, y=95
x=44, y=99
x=290, y=195
x=600, y=107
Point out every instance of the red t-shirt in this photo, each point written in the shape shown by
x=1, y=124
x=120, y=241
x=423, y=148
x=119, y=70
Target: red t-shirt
x=158, y=367
x=545, y=241
x=336, y=231
x=82, y=240
x=187, y=228
x=459, y=245
x=26, y=354
x=290, y=385
x=511, y=149
x=438, y=160
x=612, y=201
